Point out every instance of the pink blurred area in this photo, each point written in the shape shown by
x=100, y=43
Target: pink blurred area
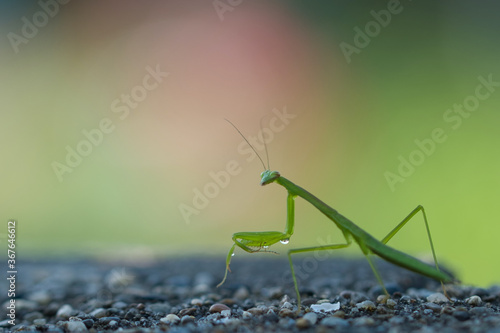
x=259, y=57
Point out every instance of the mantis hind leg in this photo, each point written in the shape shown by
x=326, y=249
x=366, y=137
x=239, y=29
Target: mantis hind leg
x=403, y=223
x=309, y=249
x=377, y=275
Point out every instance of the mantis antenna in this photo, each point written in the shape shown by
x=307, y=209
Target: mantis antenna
x=255, y=151
x=265, y=144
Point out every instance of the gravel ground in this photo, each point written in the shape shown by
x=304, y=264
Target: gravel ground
x=180, y=296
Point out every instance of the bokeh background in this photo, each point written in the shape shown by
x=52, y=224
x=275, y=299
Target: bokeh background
x=66, y=67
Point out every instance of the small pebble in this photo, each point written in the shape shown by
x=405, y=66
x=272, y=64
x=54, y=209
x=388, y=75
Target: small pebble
x=447, y=309
x=311, y=317
x=218, y=307
x=433, y=306
x=227, y=301
x=286, y=313
x=302, y=323
x=246, y=315
x=226, y=313
x=324, y=300
x=405, y=299
x=170, y=319
x=65, y=311
x=113, y=311
x=75, y=326
x=99, y=313
x=197, y=302
x=187, y=312
x=391, y=303
x=88, y=323
x=339, y=314
x=366, y=305
x=187, y=319
x=131, y=314
x=437, y=298
x=474, y=300
x=287, y=305
x=256, y=311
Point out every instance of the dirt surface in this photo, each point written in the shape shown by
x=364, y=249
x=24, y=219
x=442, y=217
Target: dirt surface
x=181, y=296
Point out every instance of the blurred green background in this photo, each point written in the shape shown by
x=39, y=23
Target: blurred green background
x=362, y=80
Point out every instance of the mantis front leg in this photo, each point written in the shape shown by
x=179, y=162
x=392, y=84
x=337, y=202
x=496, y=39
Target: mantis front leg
x=260, y=241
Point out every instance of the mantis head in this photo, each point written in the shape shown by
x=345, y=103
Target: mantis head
x=268, y=176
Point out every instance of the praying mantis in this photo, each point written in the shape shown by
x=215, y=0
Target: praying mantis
x=260, y=241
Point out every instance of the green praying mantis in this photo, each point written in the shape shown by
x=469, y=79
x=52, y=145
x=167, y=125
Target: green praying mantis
x=260, y=241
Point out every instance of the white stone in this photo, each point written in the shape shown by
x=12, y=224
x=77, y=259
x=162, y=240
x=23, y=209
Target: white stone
x=437, y=298
x=171, y=319
x=325, y=307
